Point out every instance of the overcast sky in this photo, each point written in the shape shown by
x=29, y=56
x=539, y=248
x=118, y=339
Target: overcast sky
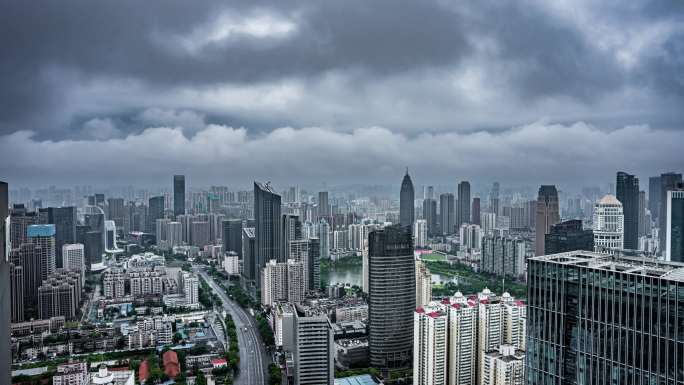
x=118, y=92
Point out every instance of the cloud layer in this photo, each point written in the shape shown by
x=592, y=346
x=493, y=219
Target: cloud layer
x=535, y=153
x=88, y=81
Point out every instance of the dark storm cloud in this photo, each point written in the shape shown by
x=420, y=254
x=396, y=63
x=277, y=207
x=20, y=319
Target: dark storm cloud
x=103, y=73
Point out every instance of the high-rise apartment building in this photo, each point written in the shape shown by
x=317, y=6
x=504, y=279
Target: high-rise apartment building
x=596, y=319
x=627, y=192
x=60, y=295
x=505, y=366
x=462, y=340
x=174, y=234
x=447, y=214
x=568, y=236
x=668, y=182
x=43, y=238
x=504, y=256
x=470, y=237
x=547, y=214
x=674, y=242
x=494, y=198
x=324, y=239
x=291, y=228
x=423, y=284
x=73, y=258
x=406, y=202
x=200, y=233
x=453, y=339
x=283, y=281
x=190, y=285
x=392, y=297
x=178, y=195
x=463, y=203
x=608, y=225
x=430, y=344
x=420, y=233
x=314, y=353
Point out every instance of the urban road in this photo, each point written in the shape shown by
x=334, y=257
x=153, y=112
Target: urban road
x=253, y=358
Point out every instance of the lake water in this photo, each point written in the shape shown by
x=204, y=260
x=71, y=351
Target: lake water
x=352, y=276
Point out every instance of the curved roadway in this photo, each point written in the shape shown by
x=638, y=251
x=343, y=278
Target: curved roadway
x=253, y=358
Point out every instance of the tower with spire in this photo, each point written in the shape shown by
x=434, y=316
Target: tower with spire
x=406, y=198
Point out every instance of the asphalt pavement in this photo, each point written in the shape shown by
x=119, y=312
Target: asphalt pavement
x=253, y=358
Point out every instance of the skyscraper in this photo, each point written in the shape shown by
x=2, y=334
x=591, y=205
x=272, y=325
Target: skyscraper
x=568, y=236
x=267, y=224
x=447, y=213
x=654, y=197
x=627, y=192
x=463, y=203
x=20, y=220
x=313, y=266
x=155, y=210
x=232, y=236
x=644, y=225
x=323, y=205
x=115, y=211
x=392, y=297
x=406, y=202
x=547, y=214
x=668, y=182
x=64, y=219
x=178, y=195
x=674, y=243
x=494, y=198
x=608, y=225
x=430, y=216
x=16, y=273
x=324, y=237
x=475, y=212
x=43, y=238
x=597, y=319
x=5, y=291
x=250, y=268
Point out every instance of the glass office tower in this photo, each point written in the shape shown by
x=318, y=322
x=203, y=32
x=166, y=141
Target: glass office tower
x=596, y=319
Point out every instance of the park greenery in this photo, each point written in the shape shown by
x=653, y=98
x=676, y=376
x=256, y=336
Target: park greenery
x=470, y=281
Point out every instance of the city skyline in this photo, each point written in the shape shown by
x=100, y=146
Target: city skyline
x=342, y=192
